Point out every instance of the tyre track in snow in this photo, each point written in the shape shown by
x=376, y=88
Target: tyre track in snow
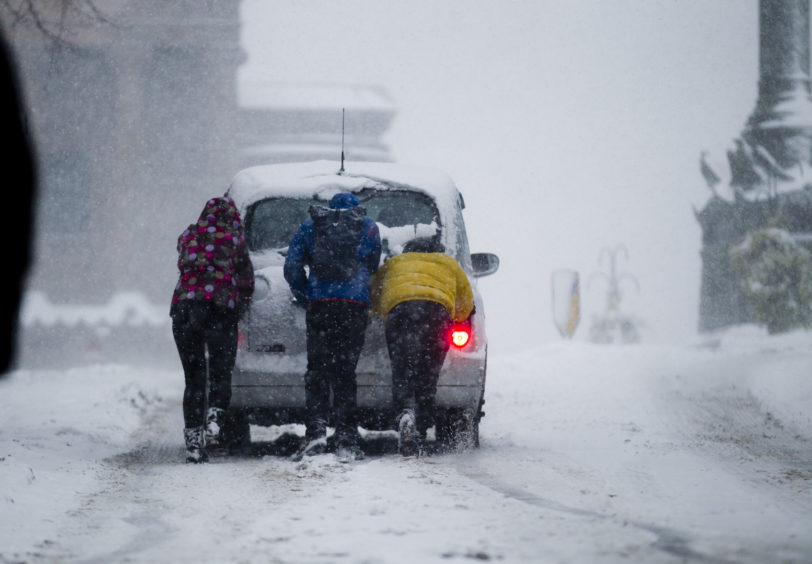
x=122, y=507
x=131, y=505
x=669, y=541
x=689, y=429
x=132, y=517
x=731, y=423
x=496, y=469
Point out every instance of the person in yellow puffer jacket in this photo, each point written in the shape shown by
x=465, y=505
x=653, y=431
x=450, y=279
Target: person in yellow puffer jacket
x=420, y=294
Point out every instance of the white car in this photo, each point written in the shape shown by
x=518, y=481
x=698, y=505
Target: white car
x=405, y=202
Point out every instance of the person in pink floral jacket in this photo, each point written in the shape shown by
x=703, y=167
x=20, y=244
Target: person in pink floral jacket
x=214, y=287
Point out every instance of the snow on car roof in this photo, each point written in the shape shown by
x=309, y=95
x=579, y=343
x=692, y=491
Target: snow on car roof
x=320, y=179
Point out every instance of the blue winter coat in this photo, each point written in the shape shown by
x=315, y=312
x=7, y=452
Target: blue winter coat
x=308, y=289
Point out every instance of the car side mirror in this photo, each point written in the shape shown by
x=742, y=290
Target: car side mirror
x=484, y=264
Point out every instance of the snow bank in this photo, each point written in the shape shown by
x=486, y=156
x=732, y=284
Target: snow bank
x=55, y=429
x=124, y=308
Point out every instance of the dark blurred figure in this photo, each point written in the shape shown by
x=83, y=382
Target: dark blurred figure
x=20, y=196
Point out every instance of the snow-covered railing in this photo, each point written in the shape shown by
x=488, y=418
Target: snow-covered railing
x=123, y=309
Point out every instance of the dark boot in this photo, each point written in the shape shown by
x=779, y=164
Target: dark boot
x=310, y=448
x=195, y=445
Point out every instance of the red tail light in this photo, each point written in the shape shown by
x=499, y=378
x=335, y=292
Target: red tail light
x=460, y=335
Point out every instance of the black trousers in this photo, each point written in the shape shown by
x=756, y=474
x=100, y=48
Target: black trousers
x=417, y=337
x=198, y=327
x=335, y=337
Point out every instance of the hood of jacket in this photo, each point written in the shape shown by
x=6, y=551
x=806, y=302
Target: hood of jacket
x=220, y=212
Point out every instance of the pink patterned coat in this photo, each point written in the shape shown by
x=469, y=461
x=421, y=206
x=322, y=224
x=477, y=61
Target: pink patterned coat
x=213, y=259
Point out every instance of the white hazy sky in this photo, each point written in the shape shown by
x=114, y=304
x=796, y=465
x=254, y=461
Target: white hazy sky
x=569, y=127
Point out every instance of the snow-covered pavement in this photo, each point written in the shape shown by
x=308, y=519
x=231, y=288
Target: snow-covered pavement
x=589, y=453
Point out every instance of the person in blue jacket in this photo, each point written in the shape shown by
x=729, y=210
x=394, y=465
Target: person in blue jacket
x=341, y=247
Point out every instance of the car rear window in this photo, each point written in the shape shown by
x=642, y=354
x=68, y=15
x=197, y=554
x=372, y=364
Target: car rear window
x=400, y=214
x=271, y=223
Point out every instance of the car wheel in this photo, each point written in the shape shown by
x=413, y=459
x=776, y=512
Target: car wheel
x=458, y=429
x=237, y=432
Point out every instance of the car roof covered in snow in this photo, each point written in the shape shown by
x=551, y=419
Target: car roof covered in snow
x=321, y=180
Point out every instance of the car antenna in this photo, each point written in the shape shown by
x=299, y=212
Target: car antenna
x=342, y=142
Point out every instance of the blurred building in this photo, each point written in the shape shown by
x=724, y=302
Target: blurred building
x=281, y=122
x=134, y=110
x=769, y=168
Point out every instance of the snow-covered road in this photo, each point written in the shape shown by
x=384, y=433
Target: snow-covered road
x=589, y=454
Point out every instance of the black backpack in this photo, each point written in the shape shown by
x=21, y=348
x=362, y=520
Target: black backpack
x=336, y=236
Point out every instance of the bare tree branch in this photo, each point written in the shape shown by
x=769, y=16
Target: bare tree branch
x=52, y=19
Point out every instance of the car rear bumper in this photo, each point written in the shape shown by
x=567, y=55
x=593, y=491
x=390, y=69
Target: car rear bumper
x=279, y=384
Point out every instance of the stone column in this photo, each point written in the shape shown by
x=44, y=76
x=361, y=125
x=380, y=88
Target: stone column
x=782, y=119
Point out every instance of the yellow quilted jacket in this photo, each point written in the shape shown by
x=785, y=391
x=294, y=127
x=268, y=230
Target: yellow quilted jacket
x=435, y=277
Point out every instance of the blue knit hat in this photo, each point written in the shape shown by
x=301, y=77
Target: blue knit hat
x=343, y=201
